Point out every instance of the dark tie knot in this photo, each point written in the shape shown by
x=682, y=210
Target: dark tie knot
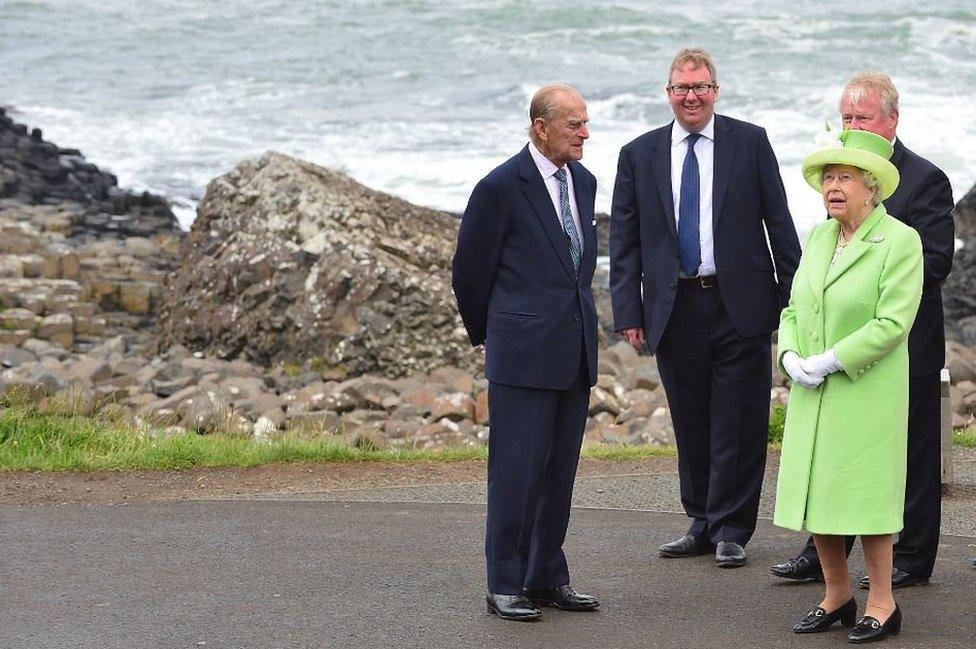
x=692, y=139
x=560, y=175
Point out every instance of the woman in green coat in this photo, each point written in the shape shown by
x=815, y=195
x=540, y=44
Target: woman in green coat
x=843, y=341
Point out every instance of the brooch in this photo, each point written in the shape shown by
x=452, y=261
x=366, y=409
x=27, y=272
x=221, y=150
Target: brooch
x=877, y=239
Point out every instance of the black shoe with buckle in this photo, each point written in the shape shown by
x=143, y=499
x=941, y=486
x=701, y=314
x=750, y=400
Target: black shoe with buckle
x=869, y=629
x=798, y=569
x=819, y=620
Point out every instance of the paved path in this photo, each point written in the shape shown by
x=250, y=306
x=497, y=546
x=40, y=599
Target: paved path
x=367, y=569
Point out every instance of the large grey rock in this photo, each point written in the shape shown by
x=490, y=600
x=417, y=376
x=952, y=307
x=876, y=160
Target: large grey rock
x=289, y=261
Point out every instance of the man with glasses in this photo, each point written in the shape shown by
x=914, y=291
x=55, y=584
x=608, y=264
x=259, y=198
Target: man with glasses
x=692, y=280
x=923, y=200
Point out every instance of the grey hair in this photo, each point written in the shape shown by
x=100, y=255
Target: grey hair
x=873, y=185
x=869, y=180
x=865, y=83
x=543, y=105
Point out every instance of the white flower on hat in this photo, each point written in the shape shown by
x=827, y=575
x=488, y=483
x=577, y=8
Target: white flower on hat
x=826, y=139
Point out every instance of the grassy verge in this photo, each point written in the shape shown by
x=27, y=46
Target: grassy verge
x=37, y=441
x=965, y=438
x=30, y=441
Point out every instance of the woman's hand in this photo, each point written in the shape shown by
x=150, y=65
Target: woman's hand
x=794, y=367
x=820, y=365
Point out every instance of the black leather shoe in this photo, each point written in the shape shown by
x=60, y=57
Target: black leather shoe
x=899, y=579
x=869, y=629
x=819, y=620
x=563, y=597
x=686, y=546
x=730, y=555
x=512, y=607
x=798, y=569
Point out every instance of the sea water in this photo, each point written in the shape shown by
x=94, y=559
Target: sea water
x=421, y=99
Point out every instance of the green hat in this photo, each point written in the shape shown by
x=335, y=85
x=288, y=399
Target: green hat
x=859, y=149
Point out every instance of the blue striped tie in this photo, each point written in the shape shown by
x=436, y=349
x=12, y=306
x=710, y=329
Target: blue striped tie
x=689, y=245
x=566, y=216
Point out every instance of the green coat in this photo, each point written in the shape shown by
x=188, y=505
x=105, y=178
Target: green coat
x=842, y=469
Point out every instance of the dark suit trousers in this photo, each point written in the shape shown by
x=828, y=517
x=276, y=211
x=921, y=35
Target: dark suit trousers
x=918, y=542
x=718, y=385
x=533, y=450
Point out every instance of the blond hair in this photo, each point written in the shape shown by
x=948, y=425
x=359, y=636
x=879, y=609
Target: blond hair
x=866, y=83
x=697, y=58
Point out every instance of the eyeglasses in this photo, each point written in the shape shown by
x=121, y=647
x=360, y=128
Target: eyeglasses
x=700, y=89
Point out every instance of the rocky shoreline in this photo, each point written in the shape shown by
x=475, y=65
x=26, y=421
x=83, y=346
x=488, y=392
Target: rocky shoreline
x=299, y=300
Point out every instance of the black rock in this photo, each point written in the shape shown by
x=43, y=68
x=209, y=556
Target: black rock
x=959, y=289
x=42, y=173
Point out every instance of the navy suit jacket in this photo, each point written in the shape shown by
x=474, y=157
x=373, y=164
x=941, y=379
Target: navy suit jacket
x=923, y=201
x=514, y=281
x=748, y=202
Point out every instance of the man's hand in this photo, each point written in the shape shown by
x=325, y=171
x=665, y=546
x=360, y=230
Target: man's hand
x=635, y=336
x=794, y=366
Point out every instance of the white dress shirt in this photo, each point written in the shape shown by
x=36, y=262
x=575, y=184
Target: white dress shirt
x=705, y=152
x=547, y=169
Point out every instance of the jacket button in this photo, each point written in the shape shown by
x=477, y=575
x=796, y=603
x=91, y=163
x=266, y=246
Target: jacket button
x=816, y=308
x=674, y=286
x=814, y=336
x=576, y=317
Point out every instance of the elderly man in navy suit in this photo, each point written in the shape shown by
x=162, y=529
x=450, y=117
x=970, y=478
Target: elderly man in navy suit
x=923, y=200
x=693, y=281
x=525, y=258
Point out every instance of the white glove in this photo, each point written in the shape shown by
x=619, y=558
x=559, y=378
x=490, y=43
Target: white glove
x=794, y=367
x=820, y=365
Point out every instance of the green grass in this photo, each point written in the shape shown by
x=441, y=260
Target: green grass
x=39, y=442
x=965, y=437
x=34, y=440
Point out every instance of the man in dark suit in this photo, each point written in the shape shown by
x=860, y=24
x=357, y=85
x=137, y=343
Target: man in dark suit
x=525, y=258
x=923, y=200
x=692, y=279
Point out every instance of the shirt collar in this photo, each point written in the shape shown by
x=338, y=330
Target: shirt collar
x=545, y=165
x=679, y=133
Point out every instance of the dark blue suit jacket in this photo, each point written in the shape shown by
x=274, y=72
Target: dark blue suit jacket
x=514, y=281
x=748, y=201
x=923, y=200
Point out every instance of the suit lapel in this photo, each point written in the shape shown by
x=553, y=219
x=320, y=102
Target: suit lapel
x=661, y=169
x=722, y=167
x=856, y=247
x=535, y=192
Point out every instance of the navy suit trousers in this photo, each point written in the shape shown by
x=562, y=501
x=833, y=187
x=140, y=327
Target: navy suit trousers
x=717, y=383
x=533, y=450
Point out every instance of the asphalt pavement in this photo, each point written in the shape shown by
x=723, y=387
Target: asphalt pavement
x=403, y=567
